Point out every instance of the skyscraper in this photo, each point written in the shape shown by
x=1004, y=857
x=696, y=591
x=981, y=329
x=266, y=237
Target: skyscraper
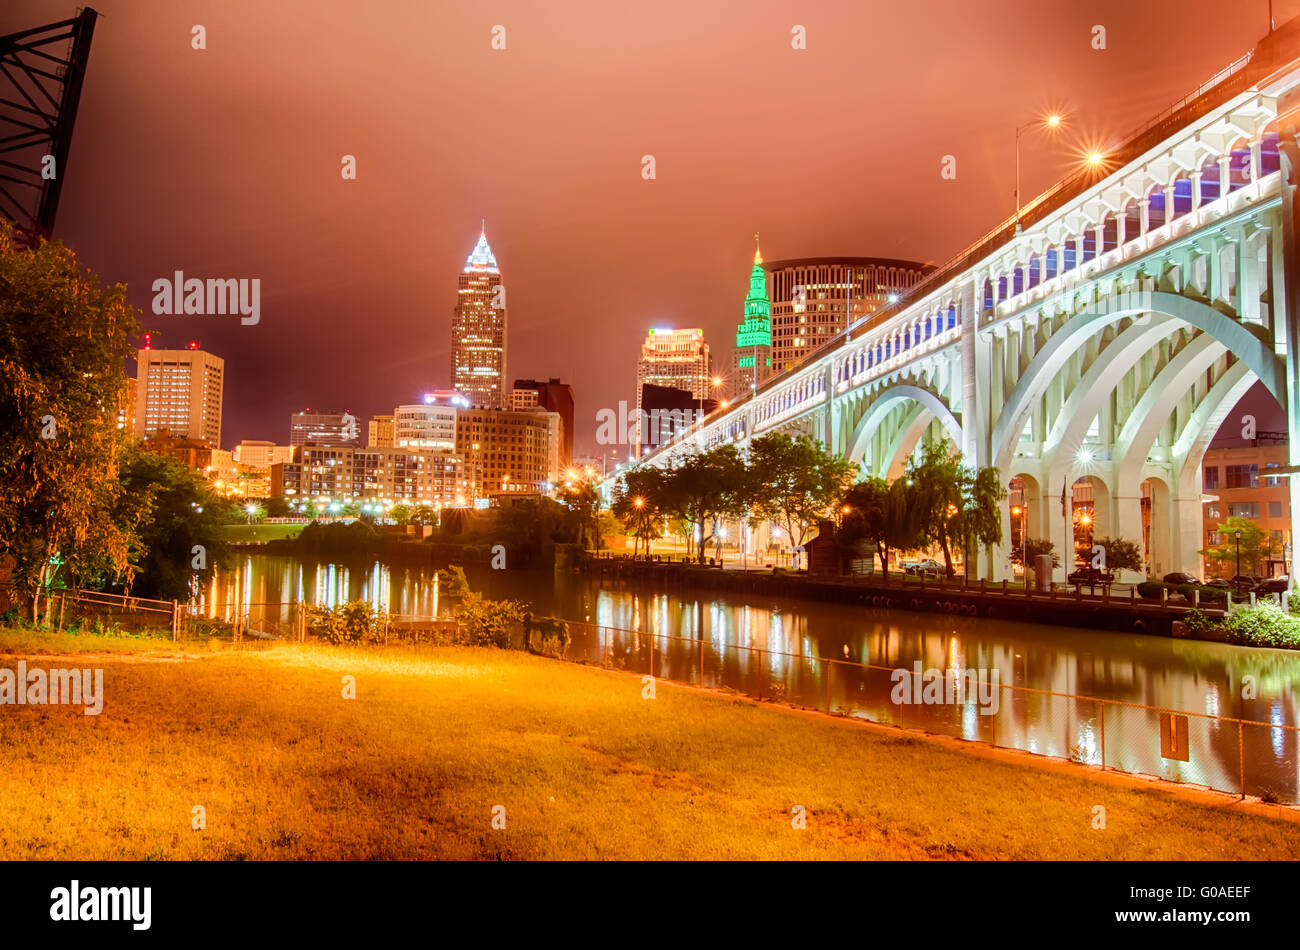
x=478, y=330
x=678, y=359
x=751, y=361
x=815, y=298
x=180, y=392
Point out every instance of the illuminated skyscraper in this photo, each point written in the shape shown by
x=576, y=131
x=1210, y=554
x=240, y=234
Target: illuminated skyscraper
x=478, y=330
x=179, y=392
x=751, y=361
x=678, y=359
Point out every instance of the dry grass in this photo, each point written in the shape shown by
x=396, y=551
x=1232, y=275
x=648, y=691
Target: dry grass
x=585, y=768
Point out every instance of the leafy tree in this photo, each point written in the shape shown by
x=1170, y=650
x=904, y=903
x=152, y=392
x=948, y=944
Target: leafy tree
x=583, y=502
x=64, y=342
x=1254, y=546
x=978, y=519
x=882, y=514
x=703, y=489
x=1121, y=554
x=400, y=514
x=178, y=525
x=489, y=622
x=638, y=502
x=1034, y=547
x=795, y=481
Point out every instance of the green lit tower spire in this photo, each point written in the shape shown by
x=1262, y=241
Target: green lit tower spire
x=753, y=359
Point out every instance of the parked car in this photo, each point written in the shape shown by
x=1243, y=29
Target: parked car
x=1218, y=582
x=1181, y=577
x=1244, y=584
x=1091, y=577
x=927, y=566
x=1273, y=585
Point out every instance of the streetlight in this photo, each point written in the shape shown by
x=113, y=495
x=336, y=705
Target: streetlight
x=1024, y=548
x=1051, y=122
x=1237, y=536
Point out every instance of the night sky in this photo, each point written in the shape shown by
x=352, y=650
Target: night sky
x=226, y=162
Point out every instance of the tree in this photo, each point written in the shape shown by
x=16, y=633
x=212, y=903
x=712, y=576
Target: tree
x=795, y=481
x=1121, y=554
x=936, y=478
x=1253, y=546
x=979, y=514
x=883, y=514
x=177, y=524
x=64, y=342
x=583, y=502
x=704, y=488
x=638, y=502
x=1033, y=548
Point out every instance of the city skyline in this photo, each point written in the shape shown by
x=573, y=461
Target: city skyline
x=355, y=273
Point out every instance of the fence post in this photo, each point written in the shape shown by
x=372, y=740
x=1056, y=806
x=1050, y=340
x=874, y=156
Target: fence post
x=176, y=620
x=1101, y=717
x=1241, y=753
x=830, y=673
x=62, y=598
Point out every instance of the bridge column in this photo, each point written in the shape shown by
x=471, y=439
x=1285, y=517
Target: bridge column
x=1286, y=300
x=1126, y=519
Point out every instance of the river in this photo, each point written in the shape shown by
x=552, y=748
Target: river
x=780, y=648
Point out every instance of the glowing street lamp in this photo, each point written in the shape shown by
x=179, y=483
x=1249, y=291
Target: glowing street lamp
x=1049, y=123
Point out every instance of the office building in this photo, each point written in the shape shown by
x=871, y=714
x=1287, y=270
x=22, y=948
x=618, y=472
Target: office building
x=179, y=393
x=552, y=396
x=815, y=298
x=674, y=359
x=478, y=330
x=324, y=427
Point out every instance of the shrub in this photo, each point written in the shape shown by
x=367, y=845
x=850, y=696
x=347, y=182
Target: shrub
x=490, y=622
x=1209, y=595
x=1198, y=623
x=353, y=622
x=452, y=582
x=1264, y=625
x=1151, y=589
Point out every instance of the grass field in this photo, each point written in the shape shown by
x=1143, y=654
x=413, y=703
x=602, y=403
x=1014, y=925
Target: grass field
x=256, y=533
x=286, y=767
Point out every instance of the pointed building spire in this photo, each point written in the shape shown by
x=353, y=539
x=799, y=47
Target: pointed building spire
x=758, y=251
x=482, y=258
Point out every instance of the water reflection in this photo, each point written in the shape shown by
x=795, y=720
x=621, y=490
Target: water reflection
x=784, y=648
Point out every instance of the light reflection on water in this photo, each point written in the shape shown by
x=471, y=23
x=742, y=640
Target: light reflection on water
x=746, y=639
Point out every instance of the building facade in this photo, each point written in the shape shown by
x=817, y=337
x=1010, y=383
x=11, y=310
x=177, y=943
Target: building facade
x=1237, y=480
x=324, y=427
x=380, y=432
x=509, y=452
x=326, y=474
x=815, y=298
x=478, y=330
x=674, y=359
x=179, y=392
x=552, y=396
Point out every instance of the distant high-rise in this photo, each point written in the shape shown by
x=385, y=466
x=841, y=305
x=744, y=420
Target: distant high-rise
x=678, y=359
x=179, y=392
x=553, y=396
x=478, y=330
x=815, y=298
x=751, y=361
x=324, y=427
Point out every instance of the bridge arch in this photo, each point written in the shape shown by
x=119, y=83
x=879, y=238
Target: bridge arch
x=927, y=407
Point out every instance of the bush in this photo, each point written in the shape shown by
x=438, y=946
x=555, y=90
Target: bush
x=1151, y=589
x=1198, y=623
x=1264, y=625
x=490, y=622
x=1209, y=595
x=354, y=622
x=452, y=582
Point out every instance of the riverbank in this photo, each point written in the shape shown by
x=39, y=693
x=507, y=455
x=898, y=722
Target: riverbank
x=581, y=765
x=1074, y=606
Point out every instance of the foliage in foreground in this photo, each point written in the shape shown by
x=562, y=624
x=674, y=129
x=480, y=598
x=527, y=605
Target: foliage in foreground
x=1264, y=625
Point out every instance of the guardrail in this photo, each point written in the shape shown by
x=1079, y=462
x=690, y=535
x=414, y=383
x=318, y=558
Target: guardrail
x=1233, y=754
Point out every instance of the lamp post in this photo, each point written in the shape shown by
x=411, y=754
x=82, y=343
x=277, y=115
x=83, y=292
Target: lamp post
x=1024, y=550
x=1051, y=122
x=1237, y=537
